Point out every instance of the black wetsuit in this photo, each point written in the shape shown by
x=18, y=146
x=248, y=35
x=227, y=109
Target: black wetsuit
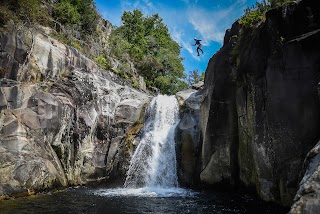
x=199, y=46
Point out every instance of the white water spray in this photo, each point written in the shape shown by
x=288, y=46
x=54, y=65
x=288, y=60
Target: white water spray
x=154, y=161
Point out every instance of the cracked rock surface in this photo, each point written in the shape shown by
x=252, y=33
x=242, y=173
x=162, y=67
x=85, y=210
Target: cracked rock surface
x=63, y=120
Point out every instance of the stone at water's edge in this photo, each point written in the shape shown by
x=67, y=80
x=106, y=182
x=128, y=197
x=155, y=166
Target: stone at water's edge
x=307, y=199
x=63, y=120
x=261, y=113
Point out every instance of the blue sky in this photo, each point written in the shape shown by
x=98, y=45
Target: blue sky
x=186, y=19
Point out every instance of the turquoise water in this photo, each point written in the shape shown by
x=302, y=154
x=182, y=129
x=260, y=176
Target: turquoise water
x=143, y=200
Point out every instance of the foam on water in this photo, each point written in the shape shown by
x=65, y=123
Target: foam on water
x=145, y=192
x=152, y=171
x=154, y=162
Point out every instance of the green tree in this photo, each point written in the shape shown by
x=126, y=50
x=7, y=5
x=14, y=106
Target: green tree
x=147, y=42
x=28, y=10
x=66, y=13
x=89, y=13
x=194, y=77
x=77, y=12
x=203, y=75
x=255, y=14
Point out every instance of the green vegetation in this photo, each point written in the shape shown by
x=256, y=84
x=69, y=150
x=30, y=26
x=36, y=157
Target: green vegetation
x=101, y=61
x=278, y=3
x=252, y=18
x=145, y=40
x=66, y=13
x=80, y=14
x=142, y=40
x=27, y=10
x=68, y=40
x=255, y=14
x=195, y=77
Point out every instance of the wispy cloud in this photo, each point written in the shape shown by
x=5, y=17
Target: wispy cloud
x=146, y=6
x=207, y=24
x=177, y=36
x=149, y=4
x=212, y=25
x=128, y=5
x=190, y=1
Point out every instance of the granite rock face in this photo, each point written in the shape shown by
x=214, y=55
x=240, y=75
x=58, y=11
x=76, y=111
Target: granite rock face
x=308, y=196
x=261, y=113
x=219, y=120
x=63, y=120
x=188, y=136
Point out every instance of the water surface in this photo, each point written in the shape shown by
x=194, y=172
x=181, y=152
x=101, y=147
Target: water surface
x=143, y=200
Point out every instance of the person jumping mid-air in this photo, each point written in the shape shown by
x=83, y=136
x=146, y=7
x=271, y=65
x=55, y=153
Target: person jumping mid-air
x=199, y=46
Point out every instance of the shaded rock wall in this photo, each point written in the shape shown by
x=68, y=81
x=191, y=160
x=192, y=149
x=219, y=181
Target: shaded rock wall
x=219, y=121
x=63, y=120
x=188, y=137
x=261, y=114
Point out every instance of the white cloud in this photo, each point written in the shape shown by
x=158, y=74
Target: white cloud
x=212, y=25
x=129, y=5
x=146, y=6
x=177, y=36
x=149, y=4
x=207, y=24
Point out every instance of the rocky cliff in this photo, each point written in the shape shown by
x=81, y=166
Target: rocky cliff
x=63, y=120
x=261, y=113
x=188, y=135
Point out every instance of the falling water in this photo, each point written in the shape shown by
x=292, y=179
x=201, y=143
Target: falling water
x=151, y=183
x=154, y=161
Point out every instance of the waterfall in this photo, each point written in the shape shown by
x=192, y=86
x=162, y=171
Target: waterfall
x=154, y=162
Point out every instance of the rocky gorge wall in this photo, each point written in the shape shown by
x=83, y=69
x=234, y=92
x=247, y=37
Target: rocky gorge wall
x=63, y=120
x=261, y=112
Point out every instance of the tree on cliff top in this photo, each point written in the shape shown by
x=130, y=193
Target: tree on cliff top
x=255, y=14
x=147, y=42
x=195, y=76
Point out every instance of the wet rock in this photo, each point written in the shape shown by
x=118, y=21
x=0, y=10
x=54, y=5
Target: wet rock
x=308, y=196
x=188, y=137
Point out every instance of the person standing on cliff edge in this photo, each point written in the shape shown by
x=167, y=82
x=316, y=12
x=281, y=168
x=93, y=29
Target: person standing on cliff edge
x=199, y=46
